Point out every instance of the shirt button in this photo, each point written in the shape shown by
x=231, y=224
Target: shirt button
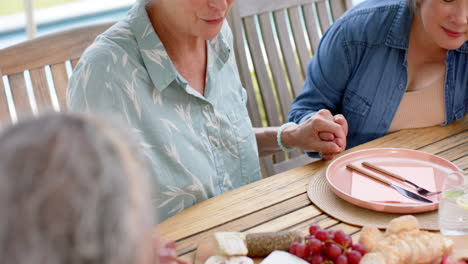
x=401, y=86
x=207, y=107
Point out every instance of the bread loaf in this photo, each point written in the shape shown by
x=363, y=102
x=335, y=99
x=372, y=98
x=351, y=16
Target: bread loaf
x=403, y=243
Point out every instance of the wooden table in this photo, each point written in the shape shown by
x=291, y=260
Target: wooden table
x=281, y=202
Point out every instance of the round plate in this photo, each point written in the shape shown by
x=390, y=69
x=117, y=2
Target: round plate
x=339, y=177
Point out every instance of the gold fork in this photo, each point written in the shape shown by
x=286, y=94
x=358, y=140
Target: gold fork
x=419, y=189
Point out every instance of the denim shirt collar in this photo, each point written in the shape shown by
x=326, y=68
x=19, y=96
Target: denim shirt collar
x=398, y=35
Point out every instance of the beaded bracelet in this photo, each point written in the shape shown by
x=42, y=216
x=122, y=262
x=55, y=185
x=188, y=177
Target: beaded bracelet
x=278, y=137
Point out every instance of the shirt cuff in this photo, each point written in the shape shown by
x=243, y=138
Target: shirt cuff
x=304, y=118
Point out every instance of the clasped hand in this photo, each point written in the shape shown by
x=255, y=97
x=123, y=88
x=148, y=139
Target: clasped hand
x=323, y=132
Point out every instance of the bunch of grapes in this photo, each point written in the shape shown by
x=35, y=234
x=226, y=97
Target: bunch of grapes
x=328, y=247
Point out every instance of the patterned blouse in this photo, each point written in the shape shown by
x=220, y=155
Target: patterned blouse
x=198, y=145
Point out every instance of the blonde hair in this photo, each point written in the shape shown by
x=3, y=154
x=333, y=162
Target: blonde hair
x=71, y=191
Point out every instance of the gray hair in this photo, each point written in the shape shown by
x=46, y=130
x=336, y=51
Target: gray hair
x=411, y=5
x=147, y=2
x=71, y=191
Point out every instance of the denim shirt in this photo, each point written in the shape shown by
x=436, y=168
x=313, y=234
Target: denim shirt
x=360, y=70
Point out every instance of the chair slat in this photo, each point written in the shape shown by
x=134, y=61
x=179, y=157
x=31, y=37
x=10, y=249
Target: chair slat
x=261, y=71
x=20, y=95
x=250, y=8
x=41, y=90
x=299, y=39
x=275, y=65
x=235, y=22
x=311, y=27
x=294, y=72
x=323, y=16
x=240, y=53
x=268, y=164
x=296, y=153
x=292, y=68
x=60, y=78
x=338, y=7
x=5, y=117
x=316, y=19
x=49, y=49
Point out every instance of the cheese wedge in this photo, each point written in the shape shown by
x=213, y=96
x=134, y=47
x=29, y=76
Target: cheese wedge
x=230, y=244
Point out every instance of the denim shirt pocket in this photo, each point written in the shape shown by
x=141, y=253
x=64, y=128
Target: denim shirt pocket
x=247, y=146
x=355, y=104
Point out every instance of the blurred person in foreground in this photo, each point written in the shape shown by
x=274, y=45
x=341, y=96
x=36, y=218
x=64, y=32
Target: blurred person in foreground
x=169, y=70
x=390, y=65
x=74, y=190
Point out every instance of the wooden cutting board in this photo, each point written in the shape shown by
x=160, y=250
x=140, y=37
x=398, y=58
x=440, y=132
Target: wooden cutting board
x=207, y=248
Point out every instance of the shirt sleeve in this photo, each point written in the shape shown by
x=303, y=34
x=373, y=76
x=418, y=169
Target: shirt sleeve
x=326, y=78
x=101, y=84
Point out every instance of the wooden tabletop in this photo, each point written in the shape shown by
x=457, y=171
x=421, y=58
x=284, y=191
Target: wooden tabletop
x=280, y=202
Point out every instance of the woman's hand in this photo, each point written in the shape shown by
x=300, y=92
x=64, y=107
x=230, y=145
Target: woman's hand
x=326, y=136
x=166, y=252
x=323, y=133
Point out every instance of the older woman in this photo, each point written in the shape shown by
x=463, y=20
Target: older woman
x=169, y=70
x=72, y=191
x=390, y=65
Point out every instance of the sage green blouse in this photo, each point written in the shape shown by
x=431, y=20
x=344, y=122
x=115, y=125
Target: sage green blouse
x=199, y=146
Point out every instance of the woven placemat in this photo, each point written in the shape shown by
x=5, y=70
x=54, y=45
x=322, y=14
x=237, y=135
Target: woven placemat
x=323, y=197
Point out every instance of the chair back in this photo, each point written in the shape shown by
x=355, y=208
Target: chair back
x=274, y=41
x=35, y=72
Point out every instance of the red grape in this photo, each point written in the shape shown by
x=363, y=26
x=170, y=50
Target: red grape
x=353, y=257
x=322, y=235
x=313, y=229
x=333, y=251
x=359, y=248
x=315, y=245
x=342, y=238
x=317, y=259
x=293, y=248
x=341, y=259
x=309, y=258
x=302, y=250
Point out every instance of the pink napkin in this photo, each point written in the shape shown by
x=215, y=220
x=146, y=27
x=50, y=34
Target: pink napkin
x=365, y=188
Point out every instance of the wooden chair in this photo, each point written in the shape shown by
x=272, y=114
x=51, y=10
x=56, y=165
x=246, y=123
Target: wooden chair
x=280, y=37
x=34, y=58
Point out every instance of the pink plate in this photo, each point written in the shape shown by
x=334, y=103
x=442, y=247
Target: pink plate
x=341, y=179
